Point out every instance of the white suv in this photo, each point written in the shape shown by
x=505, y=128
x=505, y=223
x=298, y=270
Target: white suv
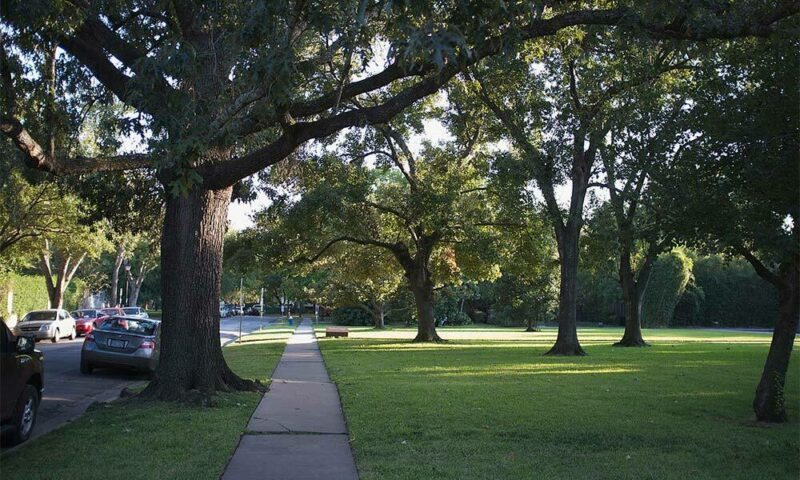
x=54, y=324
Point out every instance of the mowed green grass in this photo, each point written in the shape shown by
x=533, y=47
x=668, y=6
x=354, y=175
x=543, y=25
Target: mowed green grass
x=496, y=408
x=133, y=439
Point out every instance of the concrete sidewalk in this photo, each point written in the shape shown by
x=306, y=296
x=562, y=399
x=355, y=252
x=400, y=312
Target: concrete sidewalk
x=298, y=430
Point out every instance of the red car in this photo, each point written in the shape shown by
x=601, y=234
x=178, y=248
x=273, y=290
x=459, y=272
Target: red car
x=84, y=320
x=104, y=313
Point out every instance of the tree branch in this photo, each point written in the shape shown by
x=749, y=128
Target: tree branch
x=36, y=157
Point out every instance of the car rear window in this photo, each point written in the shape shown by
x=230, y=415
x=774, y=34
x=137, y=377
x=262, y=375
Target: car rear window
x=39, y=316
x=109, y=311
x=85, y=314
x=142, y=327
x=131, y=311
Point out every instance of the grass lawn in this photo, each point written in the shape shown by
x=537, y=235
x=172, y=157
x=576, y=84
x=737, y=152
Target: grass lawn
x=130, y=439
x=488, y=405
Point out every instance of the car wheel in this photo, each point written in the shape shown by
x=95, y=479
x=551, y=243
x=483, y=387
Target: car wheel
x=25, y=415
x=86, y=367
x=56, y=336
x=73, y=335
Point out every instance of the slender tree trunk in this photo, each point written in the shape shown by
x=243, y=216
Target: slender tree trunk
x=769, y=402
x=191, y=365
x=567, y=341
x=422, y=289
x=530, y=327
x=632, y=296
x=380, y=314
x=133, y=299
x=115, y=275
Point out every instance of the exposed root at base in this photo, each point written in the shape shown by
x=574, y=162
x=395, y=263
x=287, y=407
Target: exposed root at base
x=631, y=342
x=566, y=350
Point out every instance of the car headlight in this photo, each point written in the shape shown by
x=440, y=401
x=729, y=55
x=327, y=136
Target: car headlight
x=45, y=327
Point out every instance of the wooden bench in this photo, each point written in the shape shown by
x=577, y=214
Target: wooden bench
x=336, y=331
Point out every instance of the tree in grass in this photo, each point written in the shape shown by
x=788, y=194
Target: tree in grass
x=428, y=210
x=222, y=90
x=733, y=183
x=362, y=276
x=641, y=136
x=556, y=111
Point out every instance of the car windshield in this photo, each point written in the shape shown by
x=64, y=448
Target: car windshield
x=142, y=327
x=131, y=311
x=39, y=317
x=84, y=314
x=109, y=311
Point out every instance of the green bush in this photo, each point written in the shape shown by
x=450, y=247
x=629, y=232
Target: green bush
x=671, y=274
x=352, y=316
x=29, y=291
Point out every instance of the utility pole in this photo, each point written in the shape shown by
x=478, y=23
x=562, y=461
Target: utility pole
x=261, y=311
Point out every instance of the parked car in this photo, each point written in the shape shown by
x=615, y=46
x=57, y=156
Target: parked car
x=252, y=309
x=107, y=312
x=138, y=312
x=129, y=342
x=84, y=320
x=54, y=324
x=233, y=310
x=22, y=382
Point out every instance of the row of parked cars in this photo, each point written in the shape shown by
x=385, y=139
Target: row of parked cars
x=114, y=337
x=55, y=324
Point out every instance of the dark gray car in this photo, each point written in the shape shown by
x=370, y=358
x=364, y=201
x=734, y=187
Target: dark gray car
x=123, y=342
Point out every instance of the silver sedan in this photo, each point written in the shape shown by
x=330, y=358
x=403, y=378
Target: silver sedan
x=129, y=342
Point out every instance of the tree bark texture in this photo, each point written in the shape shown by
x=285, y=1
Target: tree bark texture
x=632, y=294
x=567, y=340
x=191, y=365
x=379, y=312
x=769, y=401
x=422, y=289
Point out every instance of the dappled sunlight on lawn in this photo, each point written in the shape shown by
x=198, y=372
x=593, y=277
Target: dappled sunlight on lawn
x=681, y=406
x=547, y=335
x=520, y=369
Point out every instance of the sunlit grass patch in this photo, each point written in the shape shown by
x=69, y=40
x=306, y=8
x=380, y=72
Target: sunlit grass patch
x=500, y=409
x=547, y=335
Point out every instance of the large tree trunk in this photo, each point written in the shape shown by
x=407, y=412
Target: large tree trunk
x=632, y=297
x=769, y=403
x=567, y=341
x=115, y=276
x=191, y=365
x=422, y=289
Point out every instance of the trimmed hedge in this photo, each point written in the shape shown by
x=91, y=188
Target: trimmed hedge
x=30, y=293
x=351, y=316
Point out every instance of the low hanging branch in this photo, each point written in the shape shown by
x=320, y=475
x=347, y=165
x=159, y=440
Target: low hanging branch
x=38, y=158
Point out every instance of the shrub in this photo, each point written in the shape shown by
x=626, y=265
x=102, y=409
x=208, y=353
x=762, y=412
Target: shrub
x=671, y=274
x=29, y=293
x=352, y=316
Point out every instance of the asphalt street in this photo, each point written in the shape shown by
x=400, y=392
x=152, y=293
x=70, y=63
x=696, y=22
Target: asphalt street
x=68, y=392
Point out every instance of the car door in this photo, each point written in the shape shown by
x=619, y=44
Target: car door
x=65, y=323
x=8, y=373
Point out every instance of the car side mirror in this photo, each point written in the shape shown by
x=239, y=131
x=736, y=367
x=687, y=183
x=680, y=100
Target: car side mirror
x=25, y=345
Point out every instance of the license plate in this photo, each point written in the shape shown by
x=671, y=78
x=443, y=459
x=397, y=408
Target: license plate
x=116, y=343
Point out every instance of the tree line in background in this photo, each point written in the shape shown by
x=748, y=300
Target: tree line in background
x=683, y=113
